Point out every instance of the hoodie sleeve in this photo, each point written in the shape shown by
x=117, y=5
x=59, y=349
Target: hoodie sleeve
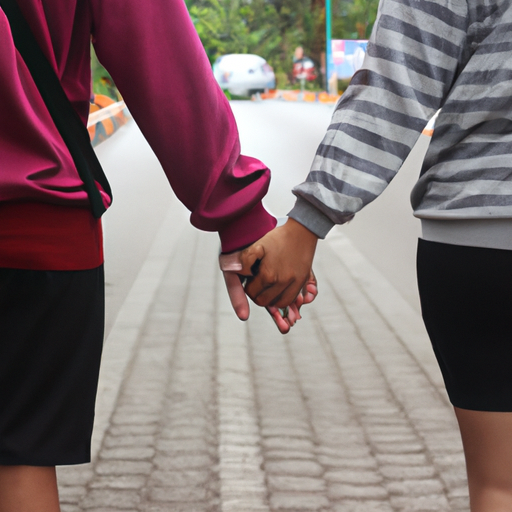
x=157, y=61
x=413, y=58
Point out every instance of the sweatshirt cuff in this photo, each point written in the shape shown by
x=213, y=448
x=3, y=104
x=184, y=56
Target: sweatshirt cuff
x=246, y=229
x=311, y=218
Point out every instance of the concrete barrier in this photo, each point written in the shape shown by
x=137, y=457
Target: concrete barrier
x=297, y=95
x=106, y=116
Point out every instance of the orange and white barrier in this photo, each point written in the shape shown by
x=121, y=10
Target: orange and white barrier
x=297, y=95
x=106, y=116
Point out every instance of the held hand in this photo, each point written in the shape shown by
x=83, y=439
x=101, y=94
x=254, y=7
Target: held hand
x=231, y=267
x=229, y=264
x=284, y=319
x=281, y=264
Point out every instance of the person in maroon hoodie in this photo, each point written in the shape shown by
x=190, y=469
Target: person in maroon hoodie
x=51, y=259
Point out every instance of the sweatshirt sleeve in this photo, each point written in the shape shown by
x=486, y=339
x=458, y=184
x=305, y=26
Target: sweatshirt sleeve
x=157, y=61
x=413, y=58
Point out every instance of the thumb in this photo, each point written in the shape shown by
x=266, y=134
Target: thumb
x=249, y=257
x=310, y=290
x=237, y=295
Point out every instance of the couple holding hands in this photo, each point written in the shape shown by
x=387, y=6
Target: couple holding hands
x=423, y=56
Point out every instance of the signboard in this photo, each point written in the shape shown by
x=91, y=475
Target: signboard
x=347, y=56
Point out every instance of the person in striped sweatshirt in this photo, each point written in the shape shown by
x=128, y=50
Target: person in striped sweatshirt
x=424, y=55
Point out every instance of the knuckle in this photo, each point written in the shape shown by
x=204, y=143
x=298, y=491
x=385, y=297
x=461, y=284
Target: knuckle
x=270, y=279
x=260, y=301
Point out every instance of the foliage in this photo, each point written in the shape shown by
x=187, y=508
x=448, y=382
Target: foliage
x=274, y=28
x=234, y=26
x=353, y=19
x=270, y=28
x=343, y=84
x=102, y=82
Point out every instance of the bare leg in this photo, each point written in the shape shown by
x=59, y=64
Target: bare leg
x=487, y=440
x=28, y=489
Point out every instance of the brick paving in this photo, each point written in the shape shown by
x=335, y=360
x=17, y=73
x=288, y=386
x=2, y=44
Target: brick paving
x=209, y=414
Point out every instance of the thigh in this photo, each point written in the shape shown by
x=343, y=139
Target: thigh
x=52, y=333
x=466, y=300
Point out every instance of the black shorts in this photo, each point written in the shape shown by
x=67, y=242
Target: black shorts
x=51, y=336
x=466, y=301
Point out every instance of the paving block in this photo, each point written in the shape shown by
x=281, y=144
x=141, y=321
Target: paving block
x=294, y=467
x=178, y=494
x=119, y=499
x=295, y=501
x=353, y=476
x=362, y=506
x=295, y=484
x=339, y=491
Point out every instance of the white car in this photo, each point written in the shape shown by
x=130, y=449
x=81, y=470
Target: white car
x=244, y=74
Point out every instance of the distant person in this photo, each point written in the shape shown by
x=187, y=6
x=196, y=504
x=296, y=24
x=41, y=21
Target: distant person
x=51, y=258
x=303, y=67
x=453, y=55
x=298, y=54
x=299, y=73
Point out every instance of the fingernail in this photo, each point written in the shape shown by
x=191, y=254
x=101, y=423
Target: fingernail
x=230, y=262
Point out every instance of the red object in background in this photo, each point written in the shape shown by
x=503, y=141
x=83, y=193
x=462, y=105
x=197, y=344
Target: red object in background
x=304, y=68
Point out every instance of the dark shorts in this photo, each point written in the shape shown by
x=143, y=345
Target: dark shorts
x=51, y=336
x=466, y=301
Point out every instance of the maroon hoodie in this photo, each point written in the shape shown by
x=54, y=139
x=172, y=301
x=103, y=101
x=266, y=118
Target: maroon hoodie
x=152, y=51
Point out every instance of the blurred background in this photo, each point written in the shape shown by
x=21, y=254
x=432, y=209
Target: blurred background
x=291, y=36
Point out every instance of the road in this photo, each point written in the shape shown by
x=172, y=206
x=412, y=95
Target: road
x=142, y=200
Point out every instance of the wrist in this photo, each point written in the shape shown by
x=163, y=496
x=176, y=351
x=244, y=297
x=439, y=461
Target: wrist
x=311, y=217
x=297, y=229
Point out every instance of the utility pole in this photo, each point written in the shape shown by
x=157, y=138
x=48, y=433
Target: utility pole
x=328, y=38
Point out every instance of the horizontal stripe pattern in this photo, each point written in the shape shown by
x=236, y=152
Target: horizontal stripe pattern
x=471, y=201
x=351, y=175
x=453, y=55
x=436, y=41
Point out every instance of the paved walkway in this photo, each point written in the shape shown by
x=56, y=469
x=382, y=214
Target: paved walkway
x=199, y=412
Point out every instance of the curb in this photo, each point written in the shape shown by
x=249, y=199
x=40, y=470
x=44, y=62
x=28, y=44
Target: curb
x=297, y=95
x=105, y=118
x=122, y=341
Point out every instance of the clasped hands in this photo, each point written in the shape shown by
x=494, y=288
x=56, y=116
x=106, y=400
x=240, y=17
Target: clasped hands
x=277, y=270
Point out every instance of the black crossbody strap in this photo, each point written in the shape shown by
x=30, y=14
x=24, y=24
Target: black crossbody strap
x=66, y=119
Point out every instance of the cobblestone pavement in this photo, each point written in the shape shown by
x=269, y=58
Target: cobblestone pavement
x=199, y=412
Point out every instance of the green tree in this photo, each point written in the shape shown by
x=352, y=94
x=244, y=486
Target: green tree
x=237, y=26
x=102, y=82
x=274, y=28
x=354, y=19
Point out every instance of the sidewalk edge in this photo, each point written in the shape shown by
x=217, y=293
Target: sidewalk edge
x=121, y=342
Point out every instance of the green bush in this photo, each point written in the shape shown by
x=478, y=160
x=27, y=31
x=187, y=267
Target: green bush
x=343, y=84
x=102, y=82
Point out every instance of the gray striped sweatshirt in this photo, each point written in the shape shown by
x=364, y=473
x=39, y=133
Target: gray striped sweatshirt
x=454, y=55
